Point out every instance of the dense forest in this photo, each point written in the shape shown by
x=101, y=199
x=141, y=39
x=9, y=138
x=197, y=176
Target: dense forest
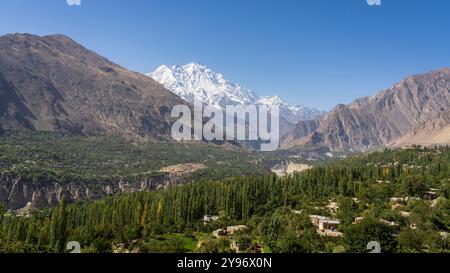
x=398, y=198
x=59, y=157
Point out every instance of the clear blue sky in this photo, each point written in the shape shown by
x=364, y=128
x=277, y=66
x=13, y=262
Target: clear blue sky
x=312, y=52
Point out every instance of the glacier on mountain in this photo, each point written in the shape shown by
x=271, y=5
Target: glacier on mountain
x=195, y=80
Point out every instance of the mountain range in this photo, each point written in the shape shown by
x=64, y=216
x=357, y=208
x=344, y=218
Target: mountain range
x=198, y=81
x=413, y=111
x=52, y=83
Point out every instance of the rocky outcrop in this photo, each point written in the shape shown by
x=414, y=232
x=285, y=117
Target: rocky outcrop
x=376, y=121
x=17, y=193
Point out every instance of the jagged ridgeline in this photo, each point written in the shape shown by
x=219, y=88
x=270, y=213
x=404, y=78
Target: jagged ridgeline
x=398, y=198
x=413, y=111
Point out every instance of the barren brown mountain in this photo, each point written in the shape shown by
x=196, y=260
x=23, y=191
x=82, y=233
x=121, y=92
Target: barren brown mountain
x=383, y=119
x=434, y=131
x=52, y=83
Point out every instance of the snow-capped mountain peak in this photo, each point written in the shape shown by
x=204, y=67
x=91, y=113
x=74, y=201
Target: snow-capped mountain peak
x=198, y=81
x=195, y=80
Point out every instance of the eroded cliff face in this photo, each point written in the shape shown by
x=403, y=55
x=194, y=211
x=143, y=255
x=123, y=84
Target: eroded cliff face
x=18, y=193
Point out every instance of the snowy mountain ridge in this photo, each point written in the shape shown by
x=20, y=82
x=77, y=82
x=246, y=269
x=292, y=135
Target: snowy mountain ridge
x=195, y=80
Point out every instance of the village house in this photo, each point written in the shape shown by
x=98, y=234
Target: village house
x=210, y=218
x=405, y=213
x=431, y=195
x=358, y=220
x=326, y=226
x=233, y=229
x=297, y=211
x=229, y=231
x=329, y=224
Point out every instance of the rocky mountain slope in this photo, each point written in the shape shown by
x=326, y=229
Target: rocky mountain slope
x=195, y=80
x=432, y=132
x=52, y=83
x=383, y=119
